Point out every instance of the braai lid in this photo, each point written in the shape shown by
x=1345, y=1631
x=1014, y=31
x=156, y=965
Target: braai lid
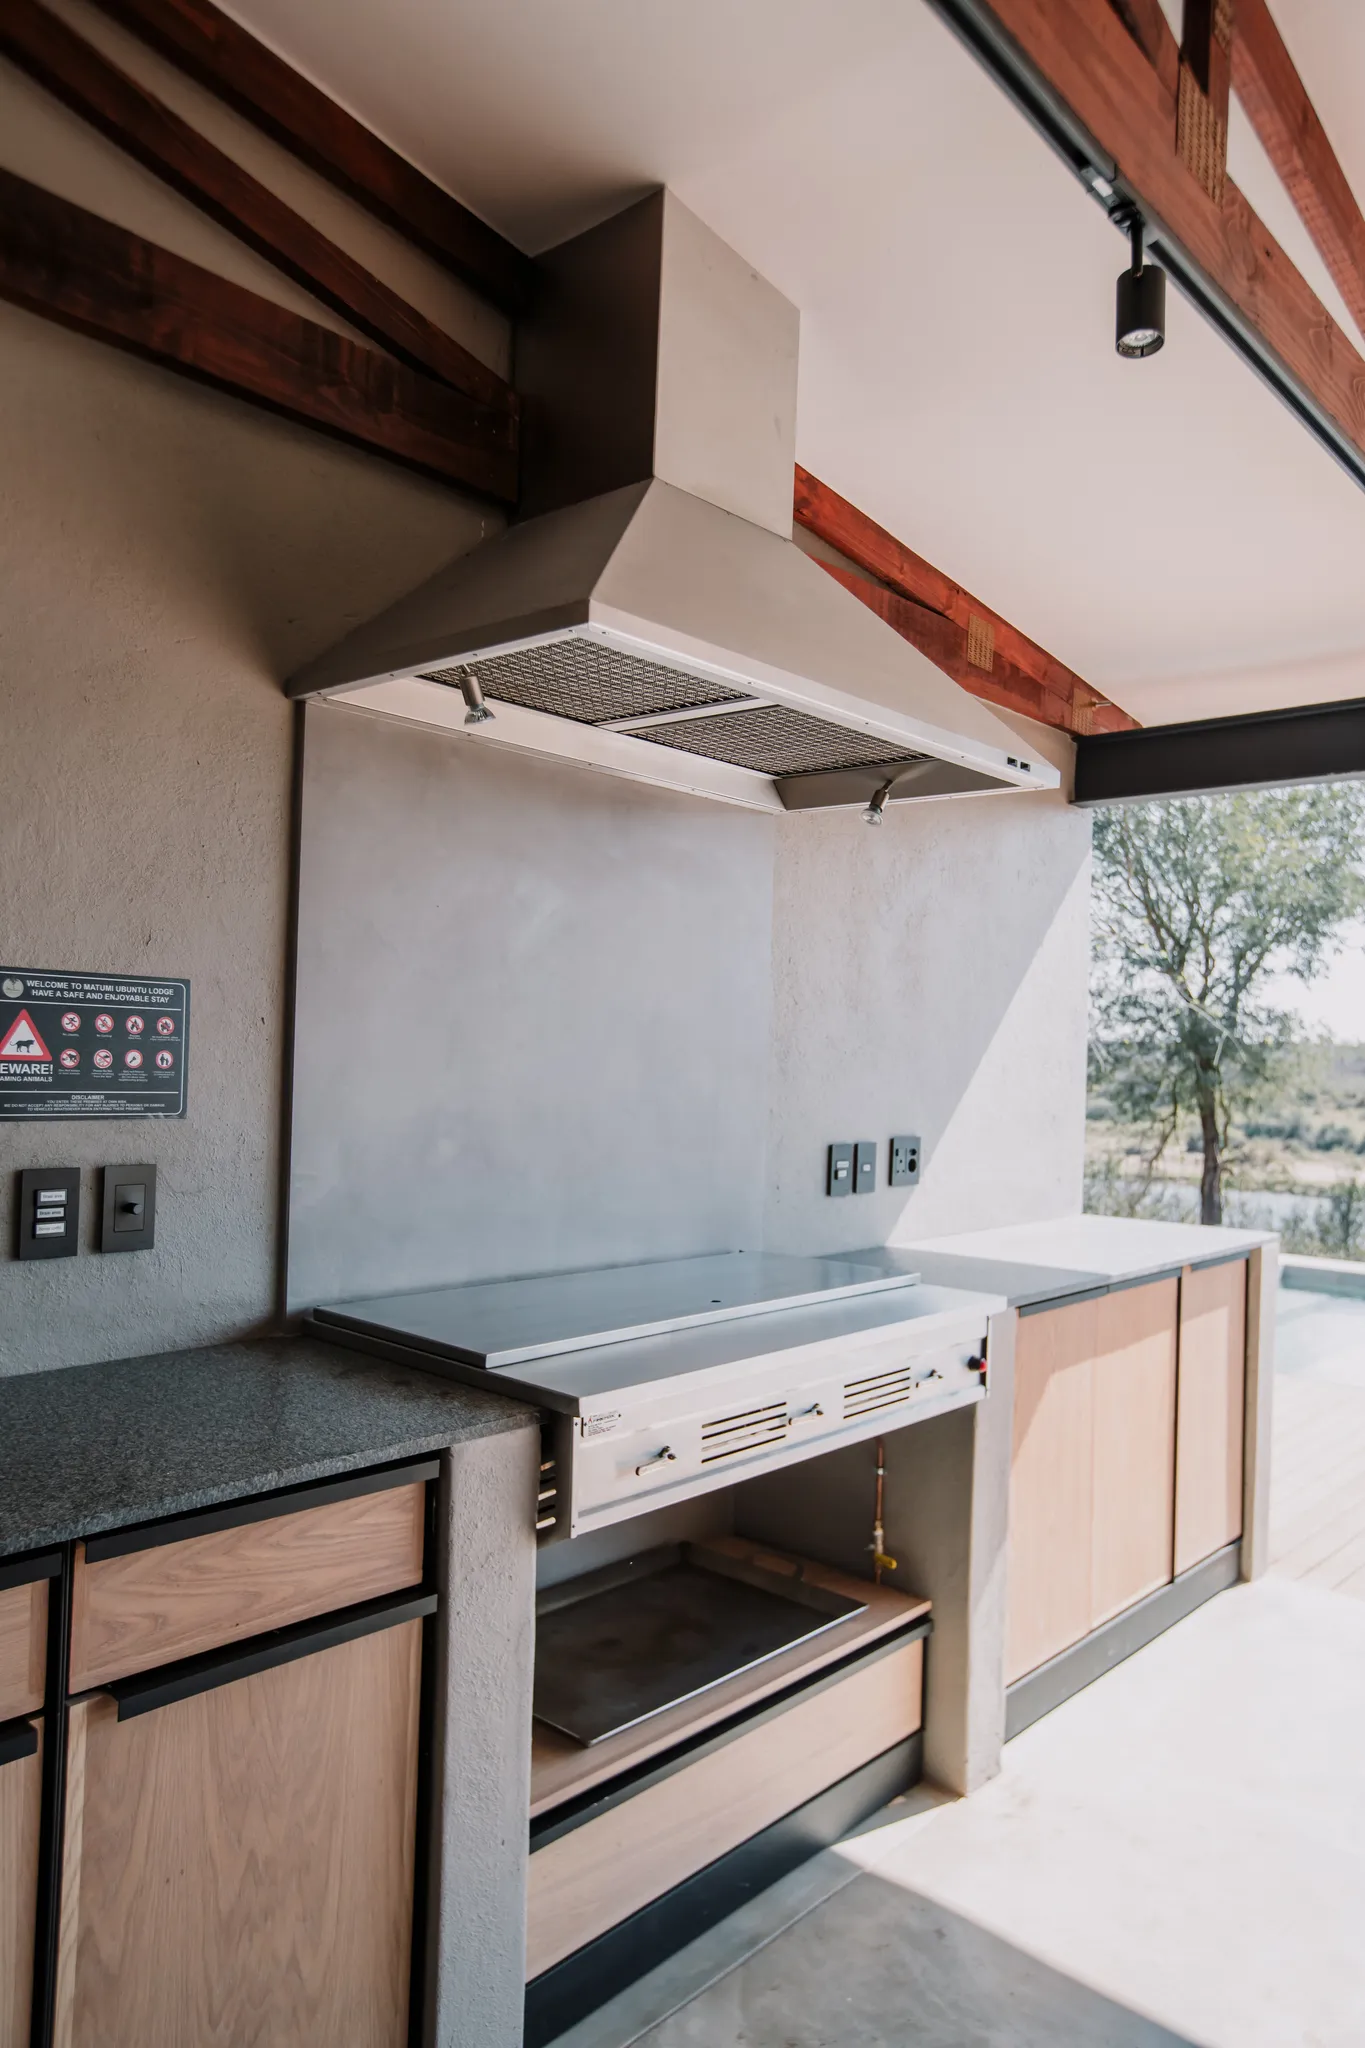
x=498, y=1323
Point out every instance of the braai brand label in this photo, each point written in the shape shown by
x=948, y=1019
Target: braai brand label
x=52, y=1061
x=601, y=1425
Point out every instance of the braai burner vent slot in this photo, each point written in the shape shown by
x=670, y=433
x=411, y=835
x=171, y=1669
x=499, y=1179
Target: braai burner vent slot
x=585, y=681
x=730, y=1436
x=880, y=1390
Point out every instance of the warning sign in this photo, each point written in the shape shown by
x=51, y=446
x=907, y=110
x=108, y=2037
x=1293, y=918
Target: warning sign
x=40, y=1009
x=22, y=1042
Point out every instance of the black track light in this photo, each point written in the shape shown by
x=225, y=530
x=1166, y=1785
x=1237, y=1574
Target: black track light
x=1141, y=326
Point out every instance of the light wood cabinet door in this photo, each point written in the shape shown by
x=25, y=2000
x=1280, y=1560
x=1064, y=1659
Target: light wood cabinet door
x=1210, y=1411
x=238, y=1865
x=1133, y=1397
x=23, y=1648
x=1051, y=1485
x=21, y=1782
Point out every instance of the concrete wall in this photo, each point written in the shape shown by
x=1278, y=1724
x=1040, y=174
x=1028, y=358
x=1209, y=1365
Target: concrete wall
x=549, y=1018
x=533, y=1015
x=167, y=556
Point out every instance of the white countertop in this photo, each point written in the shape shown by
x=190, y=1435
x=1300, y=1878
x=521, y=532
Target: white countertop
x=1068, y=1255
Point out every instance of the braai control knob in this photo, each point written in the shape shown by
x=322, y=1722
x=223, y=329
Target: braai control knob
x=663, y=1457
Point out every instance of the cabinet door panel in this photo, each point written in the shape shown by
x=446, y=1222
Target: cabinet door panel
x=173, y=1600
x=1134, y=1397
x=1210, y=1411
x=23, y=1648
x=1051, y=1485
x=20, y=1805
x=238, y=1866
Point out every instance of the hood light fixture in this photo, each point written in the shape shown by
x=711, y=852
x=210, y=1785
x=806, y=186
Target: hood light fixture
x=876, y=810
x=477, y=712
x=1140, y=329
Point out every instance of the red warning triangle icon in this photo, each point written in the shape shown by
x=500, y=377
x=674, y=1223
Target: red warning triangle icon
x=23, y=1041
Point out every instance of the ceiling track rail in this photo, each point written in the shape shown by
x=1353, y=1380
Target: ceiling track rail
x=977, y=28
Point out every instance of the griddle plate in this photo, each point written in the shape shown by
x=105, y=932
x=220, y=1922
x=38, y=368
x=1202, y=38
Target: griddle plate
x=680, y=1624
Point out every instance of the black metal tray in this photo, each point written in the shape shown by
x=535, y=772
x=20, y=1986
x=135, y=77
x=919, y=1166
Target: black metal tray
x=618, y=1646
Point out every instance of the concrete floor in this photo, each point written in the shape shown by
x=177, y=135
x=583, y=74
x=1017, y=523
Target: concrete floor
x=1176, y=1856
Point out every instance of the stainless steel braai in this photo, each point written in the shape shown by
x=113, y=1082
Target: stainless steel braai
x=660, y=1382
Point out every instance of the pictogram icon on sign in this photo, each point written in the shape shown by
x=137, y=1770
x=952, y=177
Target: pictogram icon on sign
x=104, y=1058
x=135, y=1026
x=166, y=1026
x=71, y=1058
x=22, y=1042
x=165, y=1060
x=71, y=1020
x=132, y=1058
x=104, y=1022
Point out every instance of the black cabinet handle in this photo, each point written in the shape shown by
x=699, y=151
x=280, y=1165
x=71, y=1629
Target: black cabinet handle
x=24, y=1571
x=172, y=1682
x=17, y=1739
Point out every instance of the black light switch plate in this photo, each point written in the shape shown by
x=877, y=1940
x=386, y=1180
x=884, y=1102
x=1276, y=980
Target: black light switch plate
x=839, y=1172
x=864, y=1167
x=49, y=1212
x=904, y=1162
x=128, y=1223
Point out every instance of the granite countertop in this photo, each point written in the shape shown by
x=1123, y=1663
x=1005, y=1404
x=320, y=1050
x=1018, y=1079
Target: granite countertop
x=95, y=1447
x=1072, y=1255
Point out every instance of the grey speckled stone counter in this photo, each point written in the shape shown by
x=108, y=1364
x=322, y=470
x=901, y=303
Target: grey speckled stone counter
x=102, y=1446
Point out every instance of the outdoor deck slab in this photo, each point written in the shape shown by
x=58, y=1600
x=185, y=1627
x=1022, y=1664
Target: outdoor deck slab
x=97, y=1447
x=1175, y=1855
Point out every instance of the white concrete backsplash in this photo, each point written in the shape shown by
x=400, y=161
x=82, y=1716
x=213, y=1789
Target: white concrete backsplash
x=929, y=977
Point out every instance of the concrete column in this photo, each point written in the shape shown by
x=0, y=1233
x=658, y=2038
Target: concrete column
x=481, y=1762
x=1263, y=1279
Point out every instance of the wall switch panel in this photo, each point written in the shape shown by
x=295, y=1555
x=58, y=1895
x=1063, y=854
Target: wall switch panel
x=49, y=1212
x=864, y=1167
x=839, y=1179
x=904, y=1162
x=129, y=1220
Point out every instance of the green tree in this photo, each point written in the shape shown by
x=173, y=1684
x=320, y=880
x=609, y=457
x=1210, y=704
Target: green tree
x=1198, y=902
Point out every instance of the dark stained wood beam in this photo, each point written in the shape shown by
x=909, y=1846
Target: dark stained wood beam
x=969, y=641
x=1089, y=68
x=221, y=55
x=84, y=80
x=72, y=267
x=1285, y=119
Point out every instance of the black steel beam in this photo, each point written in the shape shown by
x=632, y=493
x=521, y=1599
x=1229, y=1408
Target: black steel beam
x=1262, y=750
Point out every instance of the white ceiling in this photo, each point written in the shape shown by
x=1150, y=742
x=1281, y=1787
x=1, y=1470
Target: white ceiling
x=1165, y=526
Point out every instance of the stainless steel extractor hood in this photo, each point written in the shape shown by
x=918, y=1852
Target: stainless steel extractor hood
x=650, y=613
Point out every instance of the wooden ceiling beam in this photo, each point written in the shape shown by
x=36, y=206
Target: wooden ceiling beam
x=85, y=273
x=1271, y=91
x=84, y=80
x=1146, y=23
x=221, y=55
x=1084, y=78
x=968, y=640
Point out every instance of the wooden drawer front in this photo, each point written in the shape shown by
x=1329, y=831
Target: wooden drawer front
x=1210, y=1411
x=176, y=1600
x=20, y=1801
x=23, y=1649
x=587, y=1880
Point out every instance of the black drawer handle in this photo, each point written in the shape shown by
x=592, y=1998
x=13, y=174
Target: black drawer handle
x=17, y=1739
x=26, y=1571
x=261, y=1507
x=172, y=1682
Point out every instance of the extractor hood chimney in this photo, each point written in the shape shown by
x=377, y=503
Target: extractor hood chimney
x=649, y=612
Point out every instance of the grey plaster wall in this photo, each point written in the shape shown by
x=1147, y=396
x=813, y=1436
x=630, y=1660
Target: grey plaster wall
x=533, y=1015
x=167, y=556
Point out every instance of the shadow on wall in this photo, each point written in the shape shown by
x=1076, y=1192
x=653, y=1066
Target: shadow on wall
x=930, y=977
x=877, y=1965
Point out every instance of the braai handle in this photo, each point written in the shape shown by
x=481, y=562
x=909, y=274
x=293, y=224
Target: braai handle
x=666, y=1456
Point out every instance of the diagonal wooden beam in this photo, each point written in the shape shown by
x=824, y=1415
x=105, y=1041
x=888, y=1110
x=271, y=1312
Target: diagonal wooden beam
x=223, y=56
x=1150, y=30
x=84, y=80
x=72, y=267
x=969, y=641
x=1285, y=119
x=1086, y=82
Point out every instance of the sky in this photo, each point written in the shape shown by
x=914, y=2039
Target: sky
x=1335, y=1002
